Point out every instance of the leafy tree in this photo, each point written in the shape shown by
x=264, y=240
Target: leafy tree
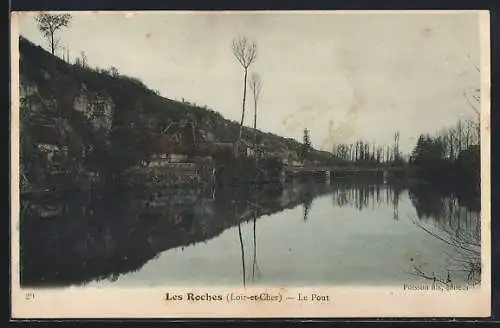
x=49, y=24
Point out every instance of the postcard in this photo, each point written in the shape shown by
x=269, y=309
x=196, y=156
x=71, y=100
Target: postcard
x=258, y=164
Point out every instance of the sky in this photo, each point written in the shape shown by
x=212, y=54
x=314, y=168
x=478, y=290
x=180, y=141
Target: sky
x=343, y=76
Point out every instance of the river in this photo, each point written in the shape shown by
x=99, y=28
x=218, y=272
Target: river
x=349, y=232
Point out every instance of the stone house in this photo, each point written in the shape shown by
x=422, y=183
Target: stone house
x=164, y=159
x=50, y=143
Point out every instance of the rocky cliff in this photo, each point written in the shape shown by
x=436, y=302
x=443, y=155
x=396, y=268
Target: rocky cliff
x=69, y=114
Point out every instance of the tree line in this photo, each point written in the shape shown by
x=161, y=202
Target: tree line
x=450, y=157
x=450, y=142
x=368, y=153
x=360, y=152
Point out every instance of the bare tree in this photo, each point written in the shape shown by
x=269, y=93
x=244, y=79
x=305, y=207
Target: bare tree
x=82, y=60
x=49, y=24
x=396, y=146
x=473, y=100
x=67, y=59
x=256, y=88
x=379, y=157
x=452, y=143
x=114, y=72
x=388, y=155
x=460, y=136
x=467, y=135
x=245, y=53
x=466, y=245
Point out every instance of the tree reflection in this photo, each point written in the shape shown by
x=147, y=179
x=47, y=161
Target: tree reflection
x=256, y=273
x=363, y=193
x=242, y=254
x=75, y=238
x=397, y=188
x=254, y=262
x=307, y=196
x=444, y=217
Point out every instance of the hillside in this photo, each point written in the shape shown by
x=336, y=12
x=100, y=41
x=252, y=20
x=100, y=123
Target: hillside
x=77, y=108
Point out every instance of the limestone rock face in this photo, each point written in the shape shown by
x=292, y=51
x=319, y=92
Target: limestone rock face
x=97, y=108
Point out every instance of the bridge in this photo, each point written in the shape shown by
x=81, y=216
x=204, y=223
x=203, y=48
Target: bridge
x=329, y=172
x=338, y=168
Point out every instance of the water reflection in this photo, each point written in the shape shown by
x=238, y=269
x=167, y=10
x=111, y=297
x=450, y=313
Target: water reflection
x=77, y=238
x=368, y=194
x=455, y=223
x=74, y=238
x=256, y=273
x=242, y=254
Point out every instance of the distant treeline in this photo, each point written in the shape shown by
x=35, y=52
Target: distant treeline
x=366, y=153
x=450, y=158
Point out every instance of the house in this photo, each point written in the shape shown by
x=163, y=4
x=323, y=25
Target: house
x=50, y=142
x=294, y=163
x=164, y=159
x=258, y=152
x=248, y=149
x=177, y=158
x=182, y=132
x=173, y=145
x=49, y=150
x=215, y=149
x=245, y=148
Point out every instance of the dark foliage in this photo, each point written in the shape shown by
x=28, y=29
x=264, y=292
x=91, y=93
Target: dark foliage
x=433, y=166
